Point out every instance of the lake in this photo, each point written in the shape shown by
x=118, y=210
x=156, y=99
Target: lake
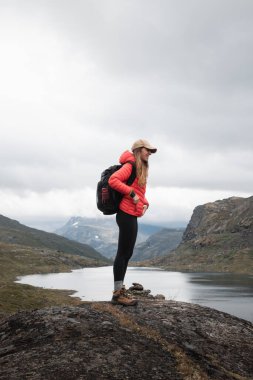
x=232, y=293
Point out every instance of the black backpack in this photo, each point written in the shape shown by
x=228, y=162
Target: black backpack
x=108, y=199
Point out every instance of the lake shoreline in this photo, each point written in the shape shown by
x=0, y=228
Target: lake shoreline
x=231, y=293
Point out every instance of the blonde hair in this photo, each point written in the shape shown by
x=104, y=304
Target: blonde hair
x=141, y=168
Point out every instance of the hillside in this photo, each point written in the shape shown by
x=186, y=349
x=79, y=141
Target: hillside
x=18, y=260
x=13, y=232
x=158, y=244
x=218, y=238
x=25, y=250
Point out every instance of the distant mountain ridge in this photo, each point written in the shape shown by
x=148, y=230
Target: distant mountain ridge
x=158, y=244
x=219, y=238
x=101, y=233
x=13, y=232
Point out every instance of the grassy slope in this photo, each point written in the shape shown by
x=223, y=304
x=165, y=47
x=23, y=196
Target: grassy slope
x=17, y=260
x=219, y=254
x=13, y=232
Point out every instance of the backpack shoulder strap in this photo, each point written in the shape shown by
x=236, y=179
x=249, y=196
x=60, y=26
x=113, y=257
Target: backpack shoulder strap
x=133, y=173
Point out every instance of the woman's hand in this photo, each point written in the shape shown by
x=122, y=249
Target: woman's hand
x=145, y=207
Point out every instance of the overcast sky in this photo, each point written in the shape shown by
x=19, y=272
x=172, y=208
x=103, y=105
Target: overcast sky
x=81, y=80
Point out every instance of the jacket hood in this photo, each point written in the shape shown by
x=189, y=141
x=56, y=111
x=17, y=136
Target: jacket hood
x=126, y=156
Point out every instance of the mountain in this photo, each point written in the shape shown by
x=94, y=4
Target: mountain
x=158, y=244
x=13, y=232
x=101, y=233
x=218, y=238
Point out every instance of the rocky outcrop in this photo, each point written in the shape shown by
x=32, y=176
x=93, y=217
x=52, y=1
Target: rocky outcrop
x=232, y=215
x=156, y=339
x=218, y=238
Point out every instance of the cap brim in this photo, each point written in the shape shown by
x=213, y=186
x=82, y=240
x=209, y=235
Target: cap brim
x=150, y=148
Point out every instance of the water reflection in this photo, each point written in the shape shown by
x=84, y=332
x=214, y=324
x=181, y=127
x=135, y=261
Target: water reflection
x=226, y=292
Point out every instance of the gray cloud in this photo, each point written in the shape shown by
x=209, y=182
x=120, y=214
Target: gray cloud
x=81, y=81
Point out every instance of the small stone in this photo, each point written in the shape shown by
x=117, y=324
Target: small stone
x=159, y=297
x=106, y=324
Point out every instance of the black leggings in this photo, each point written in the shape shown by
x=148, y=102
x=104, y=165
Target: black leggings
x=128, y=228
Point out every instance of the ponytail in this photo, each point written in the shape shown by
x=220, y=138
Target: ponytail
x=141, y=168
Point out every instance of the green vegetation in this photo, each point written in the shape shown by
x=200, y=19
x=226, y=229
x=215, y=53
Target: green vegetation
x=25, y=250
x=17, y=260
x=13, y=232
x=215, y=253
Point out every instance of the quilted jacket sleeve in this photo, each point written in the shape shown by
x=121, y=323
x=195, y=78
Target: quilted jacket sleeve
x=118, y=179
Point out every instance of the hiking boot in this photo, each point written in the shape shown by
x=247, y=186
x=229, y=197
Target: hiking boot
x=136, y=286
x=120, y=297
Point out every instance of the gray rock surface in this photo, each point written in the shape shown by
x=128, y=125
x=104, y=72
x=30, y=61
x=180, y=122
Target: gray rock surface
x=157, y=339
x=232, y=215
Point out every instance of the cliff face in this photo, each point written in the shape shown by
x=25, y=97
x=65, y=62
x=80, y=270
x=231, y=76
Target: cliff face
x=232, y=215
x=154, y=340
x=219, y=238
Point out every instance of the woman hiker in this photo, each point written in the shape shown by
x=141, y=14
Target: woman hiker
x=133, y=205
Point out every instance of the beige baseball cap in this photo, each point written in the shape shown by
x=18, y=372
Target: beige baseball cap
x=143, y=144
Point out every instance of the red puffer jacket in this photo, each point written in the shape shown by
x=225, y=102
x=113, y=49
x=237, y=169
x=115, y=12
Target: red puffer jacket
x=118, y=182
